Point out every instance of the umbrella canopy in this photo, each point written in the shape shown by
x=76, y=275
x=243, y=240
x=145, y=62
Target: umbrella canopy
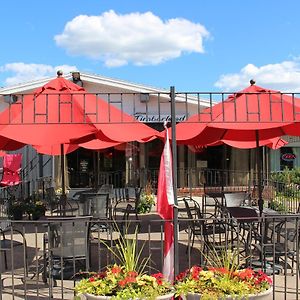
x=241, y=116
x=250, y=116
x=63, y=113
x=53, y=115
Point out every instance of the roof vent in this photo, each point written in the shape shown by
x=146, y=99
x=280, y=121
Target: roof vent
x=76, y=78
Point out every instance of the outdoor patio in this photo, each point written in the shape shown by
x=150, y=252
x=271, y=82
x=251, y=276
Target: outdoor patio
x=38, y=284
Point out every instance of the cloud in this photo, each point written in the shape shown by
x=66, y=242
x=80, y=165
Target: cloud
x=22, y=72
x=137, y=38
x=284, y=76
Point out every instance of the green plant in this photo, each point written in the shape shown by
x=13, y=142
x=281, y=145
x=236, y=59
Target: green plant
x=115, y=281
x=125, y=279
x=127, y=253
x=222, y=277
x=16, y=209
x=147, y=199
x=278, y=206
x=35, y=208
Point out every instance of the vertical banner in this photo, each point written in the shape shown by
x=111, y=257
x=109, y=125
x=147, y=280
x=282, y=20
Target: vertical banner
x=165, y=203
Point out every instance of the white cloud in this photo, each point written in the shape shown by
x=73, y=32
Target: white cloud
x=137, y=38
x=284, y=76
x=22, y=72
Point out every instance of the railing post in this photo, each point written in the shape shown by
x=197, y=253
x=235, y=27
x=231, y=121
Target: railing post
x=174, y=162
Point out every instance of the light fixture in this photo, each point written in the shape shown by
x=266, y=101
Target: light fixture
x=76, y=78
x=144, y=97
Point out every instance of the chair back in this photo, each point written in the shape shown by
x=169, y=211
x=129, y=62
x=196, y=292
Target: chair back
x=100, y=206
x=119, y=195
x=193, y=212
x=235, y=199
x=107, y=188
x=130, y=193
x=51, y=198
x=69, y=237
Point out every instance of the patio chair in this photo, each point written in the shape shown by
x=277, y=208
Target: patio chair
x=279, y=247
x=100, y=205
x=212, y=200
x=201, y=226
x=66, y=247
x=128, y=206
x=213, y=233
x=10, y=238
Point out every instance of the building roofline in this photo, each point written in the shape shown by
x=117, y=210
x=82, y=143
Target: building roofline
x=94, y=78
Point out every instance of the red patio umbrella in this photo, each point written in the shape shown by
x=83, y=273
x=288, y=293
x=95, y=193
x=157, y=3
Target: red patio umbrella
x=252, y=115
x=61, y=113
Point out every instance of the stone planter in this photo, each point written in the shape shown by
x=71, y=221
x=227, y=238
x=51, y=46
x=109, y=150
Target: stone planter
x=93, y=297
x=261, y=296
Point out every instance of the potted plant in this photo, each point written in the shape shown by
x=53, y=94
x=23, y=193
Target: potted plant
x=35, y=208
x=147, y=200
x=16, y=209
x=223, y=278
x=38, y=210
x=125, y=280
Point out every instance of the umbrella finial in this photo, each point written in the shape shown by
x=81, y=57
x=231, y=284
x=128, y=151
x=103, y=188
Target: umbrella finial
x=252, y=81
x=59, y=73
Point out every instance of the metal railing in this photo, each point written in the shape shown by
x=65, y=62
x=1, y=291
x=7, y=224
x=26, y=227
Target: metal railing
x=155, y=108
x=30, y=269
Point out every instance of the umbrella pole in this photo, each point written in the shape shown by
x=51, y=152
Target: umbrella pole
x=259, y=178
x=63, y=197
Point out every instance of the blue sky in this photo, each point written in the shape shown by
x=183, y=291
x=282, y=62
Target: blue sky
x=195, y=45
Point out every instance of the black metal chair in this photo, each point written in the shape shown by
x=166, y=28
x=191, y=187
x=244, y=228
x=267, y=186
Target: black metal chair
x=279, y=245
x=8, y=233
x=202, y=226
x=100, y=205
x=129, y=205
x=66, y=247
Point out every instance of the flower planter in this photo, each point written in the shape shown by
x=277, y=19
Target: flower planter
x=93, y=297
x=261, y=296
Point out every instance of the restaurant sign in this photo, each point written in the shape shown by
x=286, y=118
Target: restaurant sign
x=288, y=156
x=151, y=118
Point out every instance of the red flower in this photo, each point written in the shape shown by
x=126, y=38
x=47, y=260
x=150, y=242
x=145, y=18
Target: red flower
x=195, y=272
x=116, y=270
x=181, y=275
x=91, y=279
x=132, y=274
x=129, y=279
x=223, y=270
x=158, y=275
x=246, y=274
x=159, y=278
x=122, y=282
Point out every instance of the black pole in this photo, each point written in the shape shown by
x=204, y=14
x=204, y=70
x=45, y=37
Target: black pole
x=259, y=179
x=63, y=198
x=174, y=162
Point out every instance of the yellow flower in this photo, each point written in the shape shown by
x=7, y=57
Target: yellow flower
x=205, y=275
